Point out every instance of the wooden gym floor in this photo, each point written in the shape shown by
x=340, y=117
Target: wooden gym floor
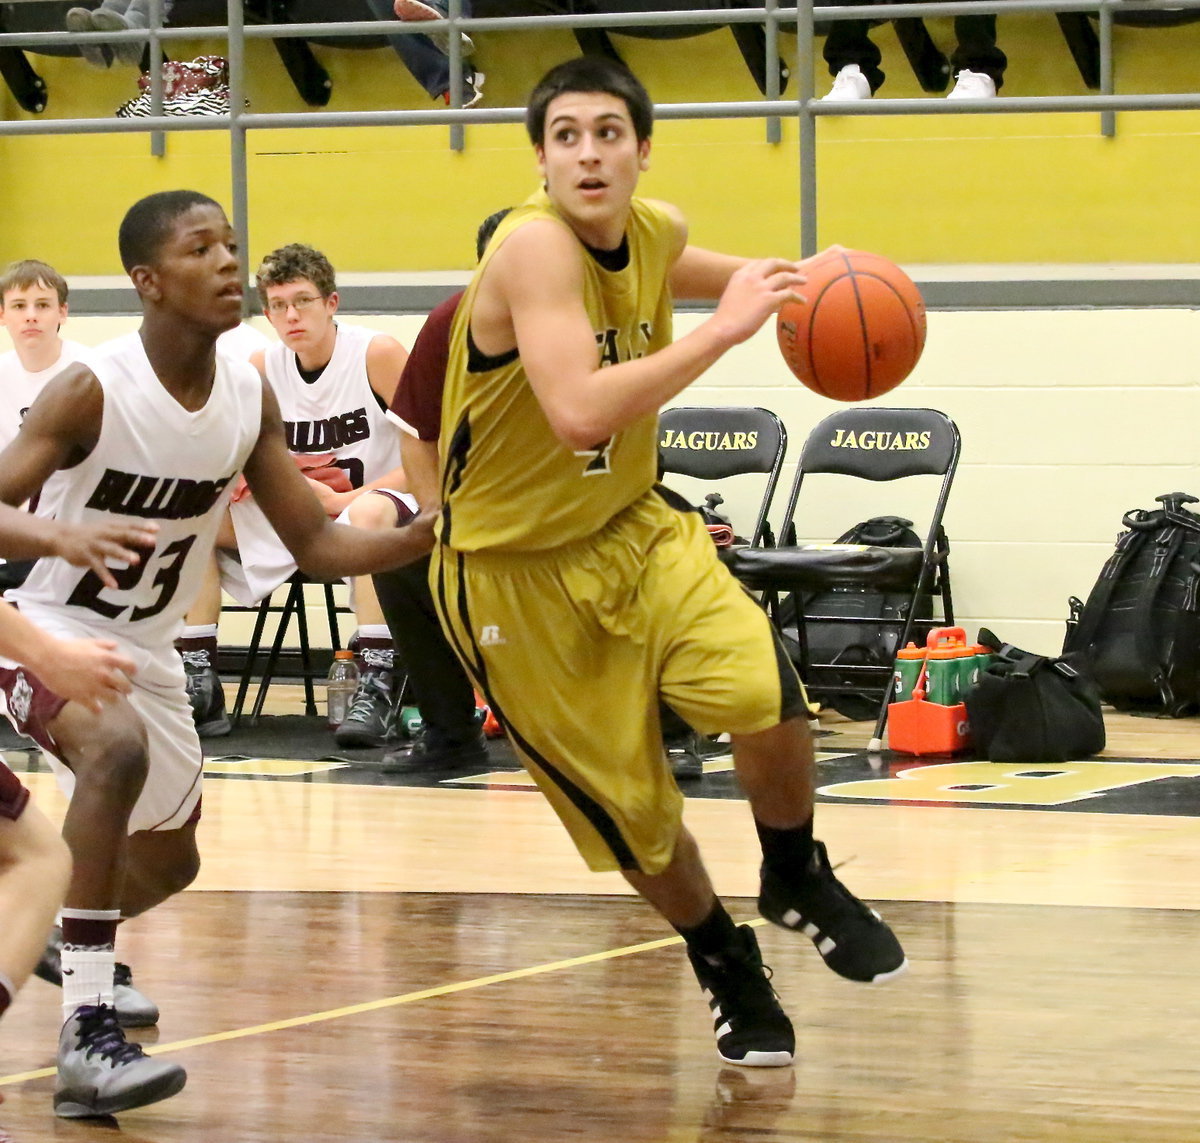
x=366, y=962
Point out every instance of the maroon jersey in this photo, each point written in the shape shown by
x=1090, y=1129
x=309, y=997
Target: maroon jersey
x=418, y=399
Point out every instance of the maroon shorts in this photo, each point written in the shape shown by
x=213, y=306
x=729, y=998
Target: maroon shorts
x=13, y=796
x=31, y=705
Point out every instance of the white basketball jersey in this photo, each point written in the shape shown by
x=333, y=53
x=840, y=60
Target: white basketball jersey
x=338, y=412
x=18, y=387
x=153, y=461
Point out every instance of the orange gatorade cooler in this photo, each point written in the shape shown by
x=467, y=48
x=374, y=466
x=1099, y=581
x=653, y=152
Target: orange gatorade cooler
x=934, y=719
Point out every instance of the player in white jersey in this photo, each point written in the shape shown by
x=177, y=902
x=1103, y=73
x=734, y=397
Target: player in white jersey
x=156, y=431
x=334, y=382
x=33, y=307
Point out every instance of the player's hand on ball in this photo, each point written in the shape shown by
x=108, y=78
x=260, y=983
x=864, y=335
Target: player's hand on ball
x=94, y=545
x=755, y=292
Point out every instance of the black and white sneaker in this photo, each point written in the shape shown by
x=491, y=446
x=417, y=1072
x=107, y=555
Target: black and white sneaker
x=750, y=1026
x=369, y=718
x=851, y=937
x=134, y=1009
x=206, y=695
x=101, y=1073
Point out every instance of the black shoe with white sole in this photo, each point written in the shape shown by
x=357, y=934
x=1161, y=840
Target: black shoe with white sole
x=751, y=1028
x=851, y=937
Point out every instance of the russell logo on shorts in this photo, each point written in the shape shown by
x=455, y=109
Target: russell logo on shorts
x=491, y=637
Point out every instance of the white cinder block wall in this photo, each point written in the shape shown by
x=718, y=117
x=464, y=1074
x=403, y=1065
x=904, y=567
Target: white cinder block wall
x=1069, y=418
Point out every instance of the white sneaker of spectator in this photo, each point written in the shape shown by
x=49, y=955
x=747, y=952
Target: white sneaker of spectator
x=849, y=83
x=973, y=85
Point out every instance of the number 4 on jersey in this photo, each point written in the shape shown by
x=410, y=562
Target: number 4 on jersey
x=598, y=458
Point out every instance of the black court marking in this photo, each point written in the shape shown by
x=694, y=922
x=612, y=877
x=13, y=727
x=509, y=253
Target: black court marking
x=1162, y=787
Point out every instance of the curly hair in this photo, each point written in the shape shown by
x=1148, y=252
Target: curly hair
x=291, y=263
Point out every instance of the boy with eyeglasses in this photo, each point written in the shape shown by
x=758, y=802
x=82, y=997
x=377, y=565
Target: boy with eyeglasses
x=334, y=382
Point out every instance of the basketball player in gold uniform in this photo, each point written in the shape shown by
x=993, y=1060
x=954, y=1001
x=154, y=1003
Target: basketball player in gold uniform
x=577, y=594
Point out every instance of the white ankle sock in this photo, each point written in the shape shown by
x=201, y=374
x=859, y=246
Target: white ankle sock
x=203, y=631
x=87, y=977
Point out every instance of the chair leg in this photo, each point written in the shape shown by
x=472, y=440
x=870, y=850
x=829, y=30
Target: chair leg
x=295, y=598
x=28, y=88
x=260, y=621
x=335, y=638
x=310, y=699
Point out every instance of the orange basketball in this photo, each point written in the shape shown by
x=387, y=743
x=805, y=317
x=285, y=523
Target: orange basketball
x=860, y=330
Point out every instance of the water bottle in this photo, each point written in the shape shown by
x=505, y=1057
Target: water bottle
x=906, y=671
x=411, y=721
x=340, y=687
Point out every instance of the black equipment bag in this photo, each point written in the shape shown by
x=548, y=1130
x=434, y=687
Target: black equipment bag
x=1030, y=708
x=1139, y=632
x=865, y=644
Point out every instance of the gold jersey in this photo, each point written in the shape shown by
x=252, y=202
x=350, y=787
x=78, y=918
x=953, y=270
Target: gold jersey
x=508, y=483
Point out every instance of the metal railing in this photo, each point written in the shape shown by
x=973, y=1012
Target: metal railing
x=804, y=107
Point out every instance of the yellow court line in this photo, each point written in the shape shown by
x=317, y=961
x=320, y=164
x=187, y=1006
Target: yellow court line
x=387, y=1002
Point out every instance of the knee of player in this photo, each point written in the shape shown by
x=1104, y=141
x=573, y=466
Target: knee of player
x=182, y=870
x=371, y=511
x=120, y=765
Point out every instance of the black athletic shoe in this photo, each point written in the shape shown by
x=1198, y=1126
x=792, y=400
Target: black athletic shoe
x=750, y=1026
x=432, y=752
x=206, y=695
x=49, y=965
x=134, y=1008
x=684, y=756
x=850, y=936
x=369, y=719
x=101, y=1073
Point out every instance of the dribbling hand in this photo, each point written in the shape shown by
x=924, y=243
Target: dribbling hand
x=755, y=292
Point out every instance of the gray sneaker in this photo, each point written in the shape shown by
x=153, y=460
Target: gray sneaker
x=80, y=20
x=101, y=1073
x=134, y=1009
x=369, y=718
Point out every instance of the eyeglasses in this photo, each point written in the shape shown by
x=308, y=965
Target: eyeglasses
x=300, y=304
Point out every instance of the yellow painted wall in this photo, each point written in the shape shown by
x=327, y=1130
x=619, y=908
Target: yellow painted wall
x=921, y=189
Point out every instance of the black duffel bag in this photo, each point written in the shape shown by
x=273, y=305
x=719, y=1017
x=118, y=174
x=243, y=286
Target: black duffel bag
x=1031, y=708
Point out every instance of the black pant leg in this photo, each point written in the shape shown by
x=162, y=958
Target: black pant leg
x=849, y=42
x=976, y=49
x=442, y=688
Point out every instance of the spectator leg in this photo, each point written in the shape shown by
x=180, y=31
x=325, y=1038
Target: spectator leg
x=976, y=49
x=849, y=42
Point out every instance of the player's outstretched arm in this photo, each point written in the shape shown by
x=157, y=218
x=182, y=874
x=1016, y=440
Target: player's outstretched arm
x=322, y=549
x=87, y=671
x=539, y=283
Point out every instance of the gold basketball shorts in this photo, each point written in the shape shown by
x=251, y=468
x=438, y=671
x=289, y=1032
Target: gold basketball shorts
x=574, y=648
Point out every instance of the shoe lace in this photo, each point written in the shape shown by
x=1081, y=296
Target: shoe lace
x=377, y=658
x=745, y=988
x=101, y=1035
x=372, y=693
x=835, y=896
x=194, y=662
